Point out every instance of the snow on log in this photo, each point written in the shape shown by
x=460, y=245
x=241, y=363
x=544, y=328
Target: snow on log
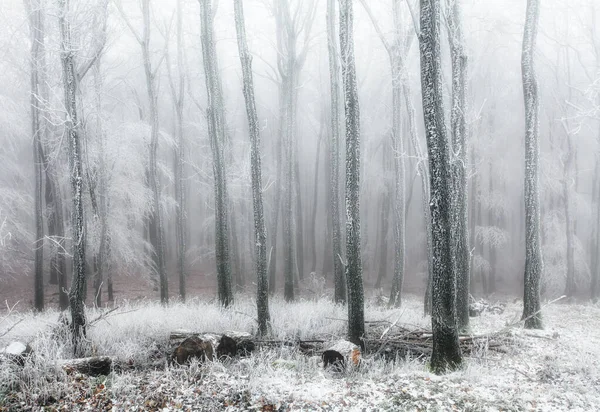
x=341, y=354
x=94, y=366
x=16, y=352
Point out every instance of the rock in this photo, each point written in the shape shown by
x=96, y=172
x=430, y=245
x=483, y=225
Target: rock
x=193, y=347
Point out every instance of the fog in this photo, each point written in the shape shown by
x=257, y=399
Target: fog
x=115, y=123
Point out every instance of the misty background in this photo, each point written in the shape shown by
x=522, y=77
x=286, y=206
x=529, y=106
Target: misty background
x=568, y=67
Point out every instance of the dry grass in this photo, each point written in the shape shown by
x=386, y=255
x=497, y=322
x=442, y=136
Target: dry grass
x=556, y=369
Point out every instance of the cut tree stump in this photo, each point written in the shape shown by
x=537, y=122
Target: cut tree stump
x=94, y=366
x=235, y=344
x=16, y=352
x=340, y=355
x=193, y=347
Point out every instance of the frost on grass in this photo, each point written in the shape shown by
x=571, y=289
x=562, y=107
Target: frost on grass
x=554, y=369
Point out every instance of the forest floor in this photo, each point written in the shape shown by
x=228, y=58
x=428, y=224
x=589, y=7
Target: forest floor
x=552, y=370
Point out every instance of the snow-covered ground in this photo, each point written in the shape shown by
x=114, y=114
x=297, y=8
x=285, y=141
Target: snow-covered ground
x=552, y=370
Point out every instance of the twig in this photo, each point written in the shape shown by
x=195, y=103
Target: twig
x=11, y=328
x=105, y=315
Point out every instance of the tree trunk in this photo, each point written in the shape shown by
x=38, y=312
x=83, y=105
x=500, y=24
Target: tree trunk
x=178, y=95
x=315, y=204
x=460, y=217
x=299, y=213
x=446, y=353
x=381, y=242
x=399, y=162
x=533, y=257
x=274, y=230
x=356, y=315
x=334, y=156
x=260, y=233
x=216, y=127
x=36, y=24
x=78, y=326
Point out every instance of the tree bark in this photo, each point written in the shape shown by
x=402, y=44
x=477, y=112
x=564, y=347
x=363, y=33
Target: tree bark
x=460, y=158
x=36, y=24
x=260, y=233
x=533, y=258
x=216, y=131
x=315, y=204
x=67, y=55
x=354, y=276
x=334, y=156
x=446, y=353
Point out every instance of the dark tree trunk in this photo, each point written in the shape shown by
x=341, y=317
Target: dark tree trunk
x=354, y=276
x=78, y=323
x=216, y=128
x=260, y=233
x=533, y=258
x=446, y=353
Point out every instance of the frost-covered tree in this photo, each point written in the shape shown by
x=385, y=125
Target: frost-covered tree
x=151, y=71
x=178, y=95
x=334, y=156
x=72, y=131
x=533, y=257
x=356, y=314
x=38, y=129
x=446, y=354
x=395, y=51
x=459, y=159
x=216, y=130
x=260, y=233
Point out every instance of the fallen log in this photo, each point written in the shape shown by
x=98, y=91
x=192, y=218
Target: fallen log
x=235, y=344
x=341, y=355
x=94, y=366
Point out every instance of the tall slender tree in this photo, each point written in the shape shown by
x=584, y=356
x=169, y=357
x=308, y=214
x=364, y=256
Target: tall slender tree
x=216, y=130
x=178, y=95
x=533, y=253
x=72, y=130
x=446, y=354
x=354, y=277
x=334, y=156
x=151, y=71
x=260, y=233
x=459, y=159
x=36, y=25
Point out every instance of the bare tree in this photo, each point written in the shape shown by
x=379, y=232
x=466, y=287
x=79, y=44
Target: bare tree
x=260, y=233
x=178, y=95
x=533, y=257
x=334, y=156
x=356, y=314
x=459, y=159
x=446, y=354
x=38, y=129
x=72, y=130
x=150, y=71
x=216, y=130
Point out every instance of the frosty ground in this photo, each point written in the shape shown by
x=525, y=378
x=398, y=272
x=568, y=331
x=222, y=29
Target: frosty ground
x=555, y=369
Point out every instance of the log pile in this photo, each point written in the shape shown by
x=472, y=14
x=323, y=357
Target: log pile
x=418, y=343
